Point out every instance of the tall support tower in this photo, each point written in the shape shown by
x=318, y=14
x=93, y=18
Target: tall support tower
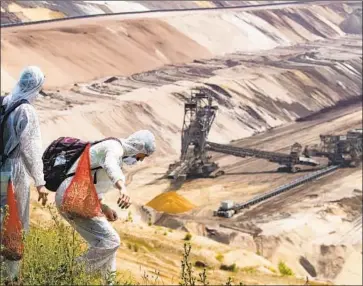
x=199, y=114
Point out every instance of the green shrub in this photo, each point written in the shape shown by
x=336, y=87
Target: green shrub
x=284, y=269
x=220, y=257
x=232, y=268
x=129, y=217
x=188, y=237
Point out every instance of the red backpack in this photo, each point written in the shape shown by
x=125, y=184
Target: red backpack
x=59, y=157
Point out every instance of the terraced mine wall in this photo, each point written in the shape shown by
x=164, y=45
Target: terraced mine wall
x=96, y=48
x=269, y=68
x=29, y=11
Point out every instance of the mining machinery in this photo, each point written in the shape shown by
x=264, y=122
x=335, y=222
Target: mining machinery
x=341, y=151
x=344, y=150
x=199, y=115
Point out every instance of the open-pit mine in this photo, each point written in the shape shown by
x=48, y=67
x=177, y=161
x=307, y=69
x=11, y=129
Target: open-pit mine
x=257, y=112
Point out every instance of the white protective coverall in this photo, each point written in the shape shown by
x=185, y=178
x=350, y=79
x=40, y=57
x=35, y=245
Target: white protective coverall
x=22, y=134
x=102, y=238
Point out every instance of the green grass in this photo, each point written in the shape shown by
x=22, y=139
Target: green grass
x=51, y=250
x=284, y=269
x=273, y=270
x=249, y=269
x=50, y=257
x=141, y=244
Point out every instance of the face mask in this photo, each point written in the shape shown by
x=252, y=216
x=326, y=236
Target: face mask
x=129, y=160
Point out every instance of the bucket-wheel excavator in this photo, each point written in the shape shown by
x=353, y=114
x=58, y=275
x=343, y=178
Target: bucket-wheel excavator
x=199, y=114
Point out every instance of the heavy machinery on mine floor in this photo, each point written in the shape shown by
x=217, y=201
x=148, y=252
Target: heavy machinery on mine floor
x=199, y=115
x=344, y=150
x=341, y=151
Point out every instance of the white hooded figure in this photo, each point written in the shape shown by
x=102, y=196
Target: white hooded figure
x=23, y=146
x=102, y=239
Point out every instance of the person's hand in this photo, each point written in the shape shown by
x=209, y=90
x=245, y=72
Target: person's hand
x=110, y=214
x=42, y=195
x=124, y=201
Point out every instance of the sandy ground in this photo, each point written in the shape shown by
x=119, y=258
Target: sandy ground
x=302, y=221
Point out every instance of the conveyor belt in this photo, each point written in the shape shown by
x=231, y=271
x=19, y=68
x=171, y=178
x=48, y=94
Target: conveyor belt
x=281, y=189
x=276, y=157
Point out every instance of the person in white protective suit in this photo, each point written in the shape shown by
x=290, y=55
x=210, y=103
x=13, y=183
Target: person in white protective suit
x=110, y=154
x=23, y=149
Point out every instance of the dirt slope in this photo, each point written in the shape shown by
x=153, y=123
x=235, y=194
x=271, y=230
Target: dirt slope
x=129, y=46
x=251, y=95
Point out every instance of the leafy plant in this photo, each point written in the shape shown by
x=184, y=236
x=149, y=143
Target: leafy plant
x=188, y=237
x=284, y=269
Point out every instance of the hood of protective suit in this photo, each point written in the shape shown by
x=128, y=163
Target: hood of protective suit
x=142, y=141
x=30, y=83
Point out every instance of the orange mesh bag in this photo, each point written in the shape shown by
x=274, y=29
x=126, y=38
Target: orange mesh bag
x=11, y=232
x=80, y=198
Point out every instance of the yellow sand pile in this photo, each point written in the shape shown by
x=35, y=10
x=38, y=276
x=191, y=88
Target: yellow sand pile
x=170, y=202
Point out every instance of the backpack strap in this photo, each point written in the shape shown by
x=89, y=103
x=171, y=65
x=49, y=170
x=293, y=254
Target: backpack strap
x=105, y=139
x=2, y=108
x=99, y=167
x=3, y=121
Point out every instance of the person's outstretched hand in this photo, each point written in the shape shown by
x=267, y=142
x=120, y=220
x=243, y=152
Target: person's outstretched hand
x=124, y=201
x=42, y=195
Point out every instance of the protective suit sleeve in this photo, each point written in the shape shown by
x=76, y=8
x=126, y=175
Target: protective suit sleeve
x=100, y=196
x=111, y=163
x=28, y=131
